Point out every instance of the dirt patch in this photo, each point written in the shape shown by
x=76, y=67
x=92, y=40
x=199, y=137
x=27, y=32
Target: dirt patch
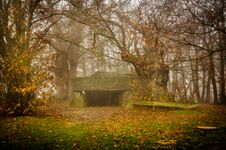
x=90, y=114
x=212, y=114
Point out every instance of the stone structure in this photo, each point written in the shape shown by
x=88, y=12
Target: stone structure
x=102, y=89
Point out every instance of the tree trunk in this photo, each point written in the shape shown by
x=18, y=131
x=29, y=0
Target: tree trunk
x=195, y=76
x=184, y=84
x=222, y=46
x=72, y=73
x=84, y=69
x=207, y=99
x=203, y=83
x=196, y=73
x=213, y=80
x=222, y=79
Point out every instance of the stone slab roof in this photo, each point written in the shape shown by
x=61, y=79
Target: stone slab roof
x=103, y=81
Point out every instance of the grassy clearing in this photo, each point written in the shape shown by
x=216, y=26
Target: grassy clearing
x=117, y=128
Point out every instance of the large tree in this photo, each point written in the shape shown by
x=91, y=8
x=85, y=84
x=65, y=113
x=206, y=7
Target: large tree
x=136, y=29
x=23, y=26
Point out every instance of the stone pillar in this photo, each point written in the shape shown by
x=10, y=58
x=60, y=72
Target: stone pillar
x=79, y=99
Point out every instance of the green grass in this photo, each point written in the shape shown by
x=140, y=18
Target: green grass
x=187, y=112
x=38, y=133
x=123, y=129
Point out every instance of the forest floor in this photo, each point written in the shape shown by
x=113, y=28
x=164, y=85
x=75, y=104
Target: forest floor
x=117, y=128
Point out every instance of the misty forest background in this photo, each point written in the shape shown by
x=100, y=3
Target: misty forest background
x=176, y=48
